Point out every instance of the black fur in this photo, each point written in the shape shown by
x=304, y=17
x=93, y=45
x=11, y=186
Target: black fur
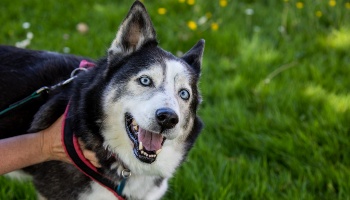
x=24, y=71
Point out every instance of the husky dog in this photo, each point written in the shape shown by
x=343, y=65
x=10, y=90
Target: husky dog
x=136, y=109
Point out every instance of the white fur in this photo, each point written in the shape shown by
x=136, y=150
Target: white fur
x=135, y=187
x=97, y=192
x=141, y=187
x=142, y=107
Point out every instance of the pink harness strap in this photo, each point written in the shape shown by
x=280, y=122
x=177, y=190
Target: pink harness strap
x=86, y=64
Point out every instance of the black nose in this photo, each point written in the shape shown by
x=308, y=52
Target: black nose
x=167, y=118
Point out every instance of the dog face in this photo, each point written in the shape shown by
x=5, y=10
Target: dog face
x=151, y=100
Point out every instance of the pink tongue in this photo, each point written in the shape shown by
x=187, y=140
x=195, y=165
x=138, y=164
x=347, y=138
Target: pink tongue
x=151, y=141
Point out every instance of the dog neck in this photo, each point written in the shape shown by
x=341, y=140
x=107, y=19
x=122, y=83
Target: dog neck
x=75, y=153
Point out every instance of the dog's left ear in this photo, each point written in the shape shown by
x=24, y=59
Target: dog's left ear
x=136, y=30
x=194, y=56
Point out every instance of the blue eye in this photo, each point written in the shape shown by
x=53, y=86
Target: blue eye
x=145, y=81
x=184, y=94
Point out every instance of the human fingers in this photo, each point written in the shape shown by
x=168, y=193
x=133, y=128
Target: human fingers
x=89, y=155
x=52, y=144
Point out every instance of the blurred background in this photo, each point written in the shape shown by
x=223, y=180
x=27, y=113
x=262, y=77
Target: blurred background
x=275, y=86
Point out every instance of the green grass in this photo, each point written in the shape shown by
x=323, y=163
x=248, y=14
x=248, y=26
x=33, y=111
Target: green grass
x=275, y=84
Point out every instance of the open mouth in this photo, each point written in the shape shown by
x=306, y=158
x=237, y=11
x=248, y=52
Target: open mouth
x=147, y=144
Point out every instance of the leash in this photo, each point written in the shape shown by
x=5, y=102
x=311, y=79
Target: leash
x=34, y=95
x=84, y=65
x=70, y=141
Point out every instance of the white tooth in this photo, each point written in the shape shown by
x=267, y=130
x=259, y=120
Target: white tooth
x=140, y=146
x=158, y=151
x=146, y=154
x=136, y=128
x=134, y=122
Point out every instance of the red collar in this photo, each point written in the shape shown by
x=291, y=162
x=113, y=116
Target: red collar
x=72, y=148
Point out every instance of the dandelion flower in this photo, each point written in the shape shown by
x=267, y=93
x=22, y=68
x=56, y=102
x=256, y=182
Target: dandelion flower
x=332, y=3
x=30, y=35
x=347, y=5
x=281, y=29
x=82, y=28
x=161, y=11
x=66, y=49
x=318, y=14
x=256, y=29
x=202, y=20
x=65, y=36
x=299, y=5
x=223, y=3
x=192, y=25
x=26, y=25
x=249, y=11
x=23, y=44
x=214, y=26
x=208, y=15
x=191, y=2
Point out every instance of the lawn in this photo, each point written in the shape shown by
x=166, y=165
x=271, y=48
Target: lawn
x=275, y=86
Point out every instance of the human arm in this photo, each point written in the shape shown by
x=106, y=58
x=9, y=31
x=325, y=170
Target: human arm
x=33, y=148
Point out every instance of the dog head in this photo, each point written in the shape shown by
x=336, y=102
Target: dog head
x=151, y=98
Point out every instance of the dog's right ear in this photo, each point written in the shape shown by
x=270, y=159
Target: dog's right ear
x=135, y=30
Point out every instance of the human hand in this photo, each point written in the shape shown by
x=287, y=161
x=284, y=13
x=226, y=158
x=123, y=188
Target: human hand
x=52, y=147
x=90, y=155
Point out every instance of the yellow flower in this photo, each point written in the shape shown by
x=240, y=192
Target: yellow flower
x=182, y=1
x=299, y=5
x=192, y=25
x=191, y=2
x=208, y=15
x=214, y=26
x=318, y=14
x=332, y=3
x=347, y=5
x=223, y=3
x=161, y=11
